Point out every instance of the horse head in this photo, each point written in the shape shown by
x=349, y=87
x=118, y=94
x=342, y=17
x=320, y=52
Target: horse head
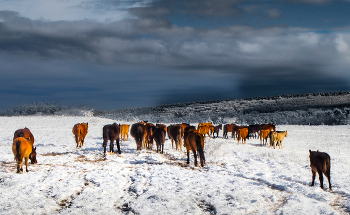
x=32, y=156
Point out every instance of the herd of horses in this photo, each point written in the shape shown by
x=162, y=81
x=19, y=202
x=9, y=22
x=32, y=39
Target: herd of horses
x=189, y=136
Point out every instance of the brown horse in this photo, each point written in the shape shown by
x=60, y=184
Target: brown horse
x=190, y=128
x=242, y=134
x=254, y=130
x=137, y=131
x=26, y=133
x=159, y=136
x=264, y=134
x=80, y=130
x=147, y=142
x=124, y=132
x=176, y=133
x=216, y=130
x=111, y=133
x=271, y=127
x=194, y=141
x=22, y=148
x=228, y=128
x=205, y=128
x=162, y=126
x=320, y=162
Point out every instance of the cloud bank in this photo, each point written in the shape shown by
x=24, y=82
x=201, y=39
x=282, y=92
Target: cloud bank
x=145, y=59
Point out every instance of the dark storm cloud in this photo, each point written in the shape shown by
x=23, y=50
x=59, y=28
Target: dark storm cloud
x=316, y=2
x=143, y=62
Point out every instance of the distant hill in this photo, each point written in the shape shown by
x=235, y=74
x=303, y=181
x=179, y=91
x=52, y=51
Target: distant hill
x=300, y=109
x=315, y=109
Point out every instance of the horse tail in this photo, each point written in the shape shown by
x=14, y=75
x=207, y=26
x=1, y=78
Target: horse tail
x=18, y=150
x=200, y=150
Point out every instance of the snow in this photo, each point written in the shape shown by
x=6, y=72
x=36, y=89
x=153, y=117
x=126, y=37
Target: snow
x=237, y=179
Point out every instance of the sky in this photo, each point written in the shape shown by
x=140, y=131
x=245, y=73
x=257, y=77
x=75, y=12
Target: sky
x=134, y=53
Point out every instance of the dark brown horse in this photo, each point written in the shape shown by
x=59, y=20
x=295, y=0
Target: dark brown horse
x=216, y=130
x=137, y=131
x=320, y=162
x=22, y=148
x=193, y=141
x=80, y=130
x=176, y=134
x=111, y=133
x=190, y=128
x=159, y=134
x=253, y=130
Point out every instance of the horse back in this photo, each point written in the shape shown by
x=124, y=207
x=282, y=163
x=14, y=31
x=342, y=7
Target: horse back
x=319, y=161
x=26, y=133
x=111, y=132
x=21, y=148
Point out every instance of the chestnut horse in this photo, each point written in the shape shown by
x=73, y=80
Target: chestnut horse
x=23, y=148
x=264, y=134
x=111, y=133
x=80, y=130
x=25, y=132
x=242, y=134
x=124, y=132
x=271, y=127
x=194, y=141
x=228, y=128
x=147, y=142
x=320, y=162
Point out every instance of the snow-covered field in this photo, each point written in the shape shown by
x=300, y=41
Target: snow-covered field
x=237, y=179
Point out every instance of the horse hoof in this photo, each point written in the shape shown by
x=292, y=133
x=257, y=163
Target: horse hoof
x=112, y=153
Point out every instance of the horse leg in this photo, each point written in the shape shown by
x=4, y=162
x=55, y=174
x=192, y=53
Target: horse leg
x=111, y=147
x=195, y=157
x=313, y=177
x=118, y=146
x=320, y=175
x=76, y=140
x=180, y=144
x=328, y=175
x=26, y=160
x=188, y=156
x=104, y=146
x=19, y=166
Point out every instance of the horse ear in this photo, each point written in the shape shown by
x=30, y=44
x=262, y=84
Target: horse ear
x=310, y=151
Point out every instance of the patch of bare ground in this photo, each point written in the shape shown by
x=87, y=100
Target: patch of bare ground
x=340, y=202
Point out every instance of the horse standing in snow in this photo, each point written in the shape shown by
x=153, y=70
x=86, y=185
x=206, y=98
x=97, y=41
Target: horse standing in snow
x=111, y=133
x=194, y=141
x=23, y=148
x=159, y=134
x=137, y=131
x=320, y=162
x=80, y=131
